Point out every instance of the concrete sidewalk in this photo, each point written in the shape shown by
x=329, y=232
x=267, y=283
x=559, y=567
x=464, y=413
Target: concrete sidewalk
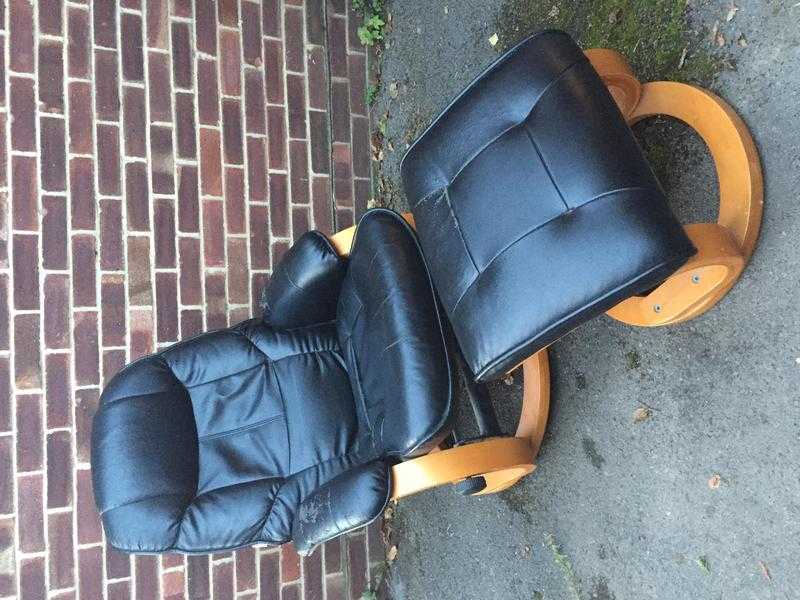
x=619, y=510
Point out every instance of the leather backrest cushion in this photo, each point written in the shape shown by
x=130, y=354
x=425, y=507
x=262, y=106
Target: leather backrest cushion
x=391, y=336
x=144, y=455
x=304, y=287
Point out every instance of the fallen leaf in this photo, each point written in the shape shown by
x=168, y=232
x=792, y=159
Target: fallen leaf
x=508, y=379
x=715, y=30
x=391, y=554
x=715, y=481
x=719, y=39
x=446, y=10
x=641, y=414
x=394, y=90
x=553, y=12
x=493, y=39
x=613, y=16
x=742, y=41
x=765, y=570
x=372, y=203
x=682, y=61
x=731, y=12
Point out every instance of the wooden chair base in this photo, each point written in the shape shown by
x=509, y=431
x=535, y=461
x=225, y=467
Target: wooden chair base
x=725, y=247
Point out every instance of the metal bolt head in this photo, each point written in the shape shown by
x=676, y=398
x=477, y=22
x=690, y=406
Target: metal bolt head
x=657, y=308
x=695, y=278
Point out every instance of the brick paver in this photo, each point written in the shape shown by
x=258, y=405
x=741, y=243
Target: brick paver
x=157, y=157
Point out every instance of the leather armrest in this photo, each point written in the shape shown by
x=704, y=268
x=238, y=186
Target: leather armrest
x=304, y=287
x=351, y=500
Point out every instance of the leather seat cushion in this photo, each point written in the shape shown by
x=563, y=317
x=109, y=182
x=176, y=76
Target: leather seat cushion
x=391, y=336
x=535, y=207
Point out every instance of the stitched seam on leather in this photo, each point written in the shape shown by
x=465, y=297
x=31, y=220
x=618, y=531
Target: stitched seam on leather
x=303, y=353
x=242, y=429
x=196, y=385
x=349, y=333
x=546, y=167
x=328, y=243
x=262, y=523
x=285, y=271
x=573, y=313
x=537, y=228
x=236, y=485
x=311, y=326
x=145, y=498
x=283, y=404
x=490, y=142
x=446, y=194
x=360, y=396
x=179, y=386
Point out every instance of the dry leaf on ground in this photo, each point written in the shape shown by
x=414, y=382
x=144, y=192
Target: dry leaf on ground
x=641, y=414
x=765, y=570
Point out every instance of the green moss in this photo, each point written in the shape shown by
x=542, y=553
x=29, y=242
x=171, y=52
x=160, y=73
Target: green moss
x=652, y=34
x=633, y=360
x=565, y=565
x=518, y=501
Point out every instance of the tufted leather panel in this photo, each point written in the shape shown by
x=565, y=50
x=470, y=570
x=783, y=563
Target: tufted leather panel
x=530, y=193
x=243, y=435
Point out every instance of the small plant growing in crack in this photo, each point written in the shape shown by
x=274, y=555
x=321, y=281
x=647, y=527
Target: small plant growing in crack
x=564, y=563
x=373, y=29
x=371, y=93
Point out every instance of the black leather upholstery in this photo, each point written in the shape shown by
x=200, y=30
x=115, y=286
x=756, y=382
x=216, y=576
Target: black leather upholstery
x=535, y=207
x=304, y=288
x=284, y=427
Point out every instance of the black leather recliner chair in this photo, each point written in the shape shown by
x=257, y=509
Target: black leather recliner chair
x=535, y=211
x=282, y=427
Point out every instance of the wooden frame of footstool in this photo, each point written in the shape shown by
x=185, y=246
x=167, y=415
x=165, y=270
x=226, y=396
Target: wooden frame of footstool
x=724, y=249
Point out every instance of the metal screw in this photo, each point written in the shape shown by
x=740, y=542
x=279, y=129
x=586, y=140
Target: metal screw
x=657, y=308
x=695, y=278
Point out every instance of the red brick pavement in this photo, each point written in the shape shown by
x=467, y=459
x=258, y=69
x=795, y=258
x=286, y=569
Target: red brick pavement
x=157, y=157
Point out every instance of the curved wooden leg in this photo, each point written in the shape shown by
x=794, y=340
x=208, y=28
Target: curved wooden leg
x=510, y=455
x=725, y=247
x=502, y=462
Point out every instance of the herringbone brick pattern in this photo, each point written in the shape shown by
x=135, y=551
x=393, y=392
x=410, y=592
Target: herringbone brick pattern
x=157, y=157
